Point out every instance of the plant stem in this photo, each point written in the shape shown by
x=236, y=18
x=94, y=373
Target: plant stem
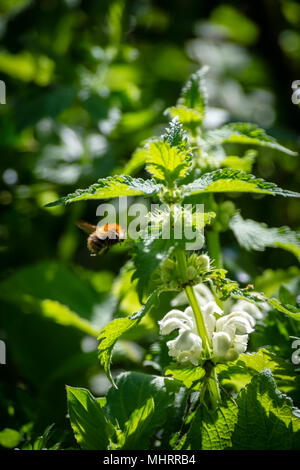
x=213, y=384
x=213, y=387
x=201, y=327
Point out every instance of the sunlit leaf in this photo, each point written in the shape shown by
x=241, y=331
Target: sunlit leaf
x=115, y=329
x=257, y=236
x=166, y=163
x=270, y=281
x=90, y=426
x=244, y=133
x=228, y=180
x=189, y=376
x=267, y=415
x=110, y=187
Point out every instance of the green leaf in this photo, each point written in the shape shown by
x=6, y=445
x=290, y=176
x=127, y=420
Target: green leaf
x=286, y=296
x=239, y=373
x=112, y=332
x=175, y=135
x=166, y=163
x=211, y=430
x=55, y=292
x=112, y=186
x=228, y=288
x=194, y=94
x=244, y=133
x=138, y=430
x=148, y=255
x=270, y=281
x=10, y=438
x=239, y=163
x=91, y=428
x=267, y=419
x=190, y=118
x=136, y=162
x=53, y=310
x=190, y=107
x=261, y=418
x=252, y=235
x=135, y=388
x=108, y=337
x=189, y=376
x=228, y=180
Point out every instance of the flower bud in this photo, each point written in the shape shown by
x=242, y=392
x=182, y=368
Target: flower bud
x=203, y=262
x=191, y=273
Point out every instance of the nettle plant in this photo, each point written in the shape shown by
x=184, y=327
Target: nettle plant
x=211, y=393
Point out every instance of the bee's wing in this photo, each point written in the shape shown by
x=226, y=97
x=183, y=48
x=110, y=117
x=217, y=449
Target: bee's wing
x=86, y=227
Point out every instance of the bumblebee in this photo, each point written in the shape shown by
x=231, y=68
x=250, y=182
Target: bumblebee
x=102, y=237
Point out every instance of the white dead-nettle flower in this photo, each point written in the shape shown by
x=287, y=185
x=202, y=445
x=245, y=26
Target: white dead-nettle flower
x=228, y=334
x=230, y=338
x=187, y=347
x=252, y=309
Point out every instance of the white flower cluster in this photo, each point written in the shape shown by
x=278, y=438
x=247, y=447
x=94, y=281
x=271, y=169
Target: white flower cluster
x=228, y=334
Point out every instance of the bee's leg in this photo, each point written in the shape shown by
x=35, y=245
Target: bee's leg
x=105, y=250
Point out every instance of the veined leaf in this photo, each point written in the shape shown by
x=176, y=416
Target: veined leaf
x=228, y=180
x=261, y=418
x=166, y=163
x=211, y=430
x=138, y=432
x=175, y=134
x=113, y=186
x=185, y=374
x=190, y=107
x=239, y=373
x=228, y=288
x=134, y=389
x=267, y=419
x=112, y=332
x=244, y=133
x=91, y=428
x=257, y=236
x=194, y=94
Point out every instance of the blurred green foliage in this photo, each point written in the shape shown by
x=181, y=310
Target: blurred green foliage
x=87, y=83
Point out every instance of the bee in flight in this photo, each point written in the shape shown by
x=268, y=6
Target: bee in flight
x=102, y=237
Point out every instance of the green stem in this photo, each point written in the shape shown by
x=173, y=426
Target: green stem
x=201, y=327
x=213, y=384
x=214, y=390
